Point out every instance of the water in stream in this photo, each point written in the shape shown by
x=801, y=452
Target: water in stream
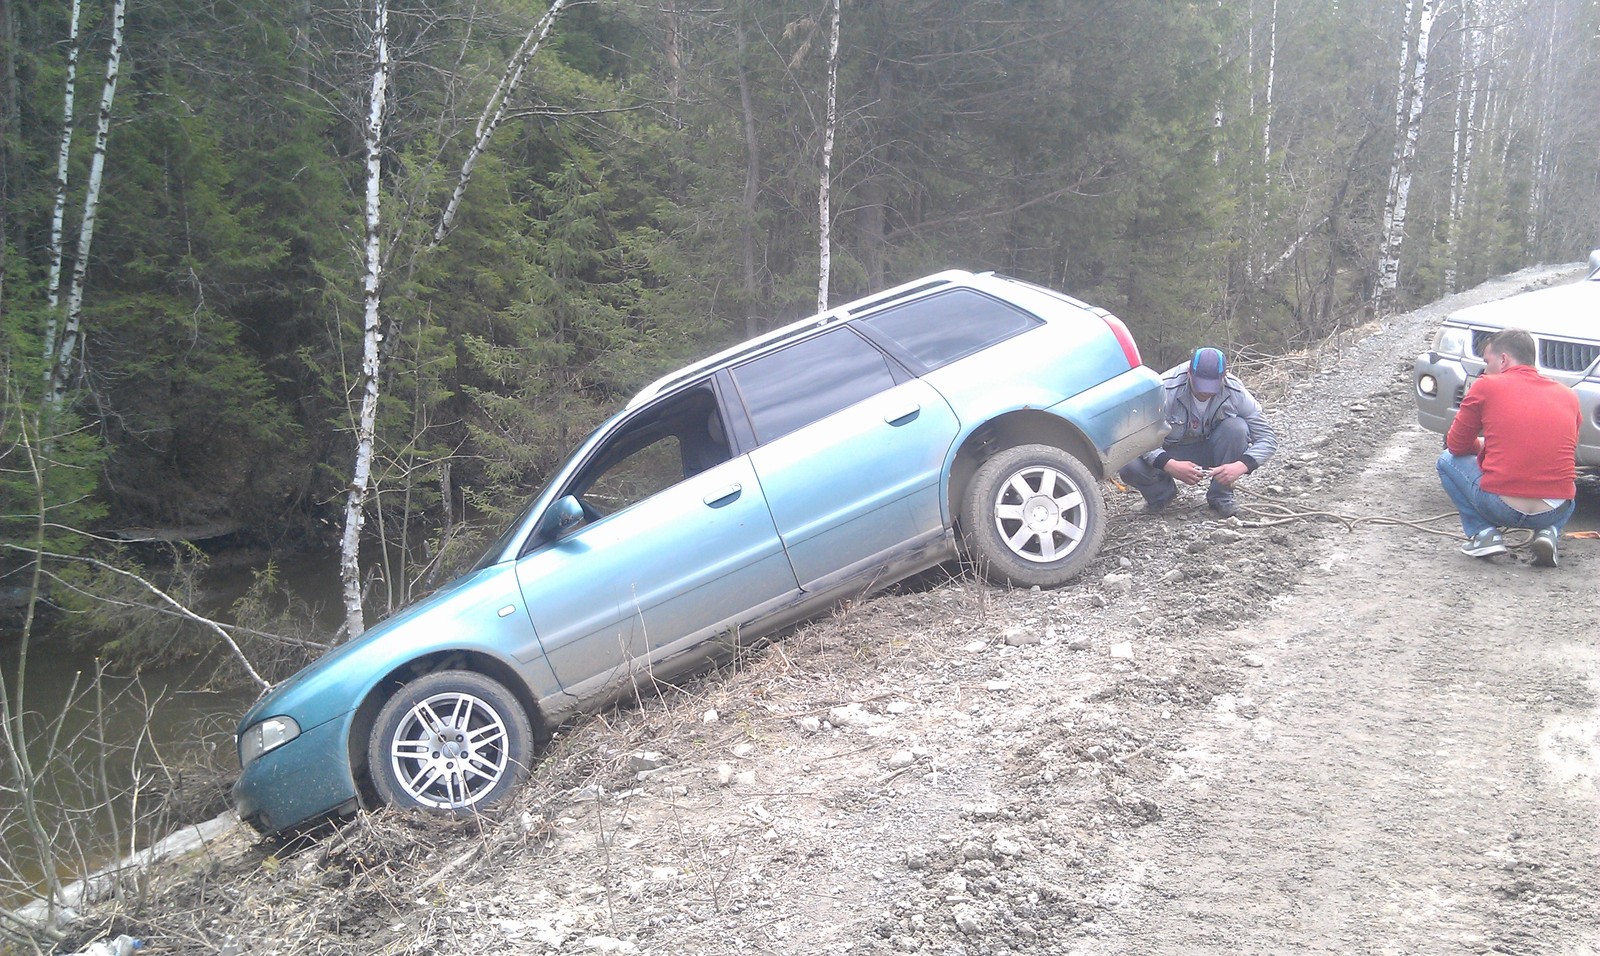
x=119, y=758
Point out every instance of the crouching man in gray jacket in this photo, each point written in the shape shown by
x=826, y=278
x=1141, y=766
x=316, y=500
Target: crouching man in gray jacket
x=1218, y=431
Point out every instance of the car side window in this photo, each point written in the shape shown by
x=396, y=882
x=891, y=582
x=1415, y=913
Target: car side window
x=941, y=328
x=662, y=445
x=810, y=380
x=655, y=467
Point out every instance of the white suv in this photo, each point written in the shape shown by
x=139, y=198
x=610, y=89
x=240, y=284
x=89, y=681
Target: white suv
x=1564, y=321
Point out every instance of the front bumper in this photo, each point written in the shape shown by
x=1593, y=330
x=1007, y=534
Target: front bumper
x=1440, y=381
x=307, y=777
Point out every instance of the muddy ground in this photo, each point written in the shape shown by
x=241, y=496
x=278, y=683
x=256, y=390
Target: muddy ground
x=1305, y=729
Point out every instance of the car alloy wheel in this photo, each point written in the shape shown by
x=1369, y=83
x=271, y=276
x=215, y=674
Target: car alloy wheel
x=451, y=740
x=1033, y=516
x=1039, y=514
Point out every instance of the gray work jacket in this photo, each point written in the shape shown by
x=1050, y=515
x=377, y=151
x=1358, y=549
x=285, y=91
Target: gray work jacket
x=1192, y=420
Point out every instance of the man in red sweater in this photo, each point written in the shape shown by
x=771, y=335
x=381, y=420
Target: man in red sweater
x=1509, y=455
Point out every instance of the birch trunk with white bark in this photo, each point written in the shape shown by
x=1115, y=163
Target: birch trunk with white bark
x=494, y=113
x=1400, y=88
x=1221, y=113
x=1389, y=269
x=58, y=215
x=825, y=217
x=63, y=368
x=372, y=335
x=1272, y=72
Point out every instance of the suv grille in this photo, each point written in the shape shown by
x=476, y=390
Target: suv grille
x=1567, y=356
x=1558, y=355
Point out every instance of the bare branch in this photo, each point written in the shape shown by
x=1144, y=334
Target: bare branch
x=178, y=606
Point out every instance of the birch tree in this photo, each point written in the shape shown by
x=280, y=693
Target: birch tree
x=1401, y=87
x=1545, y=83
x=372, y=334
x=58, y=213
x=376, y=257
x=1272, y=74
x=494, y=113
x=1405, y=158
x=62, y=367
x=824, y=216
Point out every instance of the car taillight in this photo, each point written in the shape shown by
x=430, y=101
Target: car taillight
x=1130, y=349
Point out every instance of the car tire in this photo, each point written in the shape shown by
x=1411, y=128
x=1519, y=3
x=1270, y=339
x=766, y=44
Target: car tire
x=453, y=740
x=1032, y=516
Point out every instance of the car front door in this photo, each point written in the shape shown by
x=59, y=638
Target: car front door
x=676, y=544
x=850, y=454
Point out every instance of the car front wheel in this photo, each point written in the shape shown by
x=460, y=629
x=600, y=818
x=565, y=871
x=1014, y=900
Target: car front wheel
x=1033, y=516
x=451, y=740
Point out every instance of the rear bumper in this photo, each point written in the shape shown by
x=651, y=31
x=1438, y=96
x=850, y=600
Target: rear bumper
x=1438, y=383
x=1124, y=416
x=1148, y=438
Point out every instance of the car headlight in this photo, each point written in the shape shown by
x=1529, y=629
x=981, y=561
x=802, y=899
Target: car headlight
x=1453, y=341
x=269, y=734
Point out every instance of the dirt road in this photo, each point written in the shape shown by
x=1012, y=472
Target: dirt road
x=1303, y=731
x=1418, y=772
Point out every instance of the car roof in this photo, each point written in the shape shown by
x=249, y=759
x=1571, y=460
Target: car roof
x=950, y=278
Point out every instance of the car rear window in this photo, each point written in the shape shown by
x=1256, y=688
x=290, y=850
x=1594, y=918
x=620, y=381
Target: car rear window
x=810, y=380
x=941, y=328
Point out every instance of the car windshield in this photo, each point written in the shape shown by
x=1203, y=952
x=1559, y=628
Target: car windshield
x=497, y=547
x=515, y=528
x=657, y=446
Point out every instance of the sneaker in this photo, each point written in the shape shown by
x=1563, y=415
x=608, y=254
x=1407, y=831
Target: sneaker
x=1224, y=507
x=1484, y=543
x=1544, y=547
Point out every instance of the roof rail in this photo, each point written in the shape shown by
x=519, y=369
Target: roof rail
x=768, y=340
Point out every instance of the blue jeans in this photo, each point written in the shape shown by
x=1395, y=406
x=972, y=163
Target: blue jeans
x=1226, y=444
x=1481, y=509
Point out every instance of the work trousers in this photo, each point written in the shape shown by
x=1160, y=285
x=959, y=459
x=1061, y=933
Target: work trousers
x=1225, y=444
x=1481, y=509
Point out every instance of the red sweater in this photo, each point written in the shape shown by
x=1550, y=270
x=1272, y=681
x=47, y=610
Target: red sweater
x=1529, y=426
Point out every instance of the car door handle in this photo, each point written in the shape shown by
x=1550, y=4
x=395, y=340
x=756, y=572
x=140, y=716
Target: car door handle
x=902, y=414
x=718, y=497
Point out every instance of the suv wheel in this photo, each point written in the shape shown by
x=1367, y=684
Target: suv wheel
x=1032, y=516
x=450, y=740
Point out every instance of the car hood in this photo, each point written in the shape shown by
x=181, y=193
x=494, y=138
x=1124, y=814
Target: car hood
x=1570, y=311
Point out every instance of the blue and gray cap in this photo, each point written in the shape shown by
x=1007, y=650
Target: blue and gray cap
x=1207, y=369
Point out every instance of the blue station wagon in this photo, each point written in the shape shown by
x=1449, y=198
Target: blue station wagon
x=960, y=414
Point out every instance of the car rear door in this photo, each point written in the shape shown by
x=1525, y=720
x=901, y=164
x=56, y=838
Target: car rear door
x=851, y=447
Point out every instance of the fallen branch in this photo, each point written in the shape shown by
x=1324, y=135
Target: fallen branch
x=177, y=605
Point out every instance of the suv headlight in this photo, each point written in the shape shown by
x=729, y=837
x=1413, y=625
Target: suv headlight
x=1453, y=341
x=269, y=734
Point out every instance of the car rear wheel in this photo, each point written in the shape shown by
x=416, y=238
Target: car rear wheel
x=1032, y=516
x=452, y=740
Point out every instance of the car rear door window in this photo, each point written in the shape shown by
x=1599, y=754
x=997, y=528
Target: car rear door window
x=941, y=328
x=809, y=380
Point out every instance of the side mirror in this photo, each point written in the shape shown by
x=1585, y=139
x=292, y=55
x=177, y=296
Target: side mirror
x=1594, y=263
x=563, y=515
